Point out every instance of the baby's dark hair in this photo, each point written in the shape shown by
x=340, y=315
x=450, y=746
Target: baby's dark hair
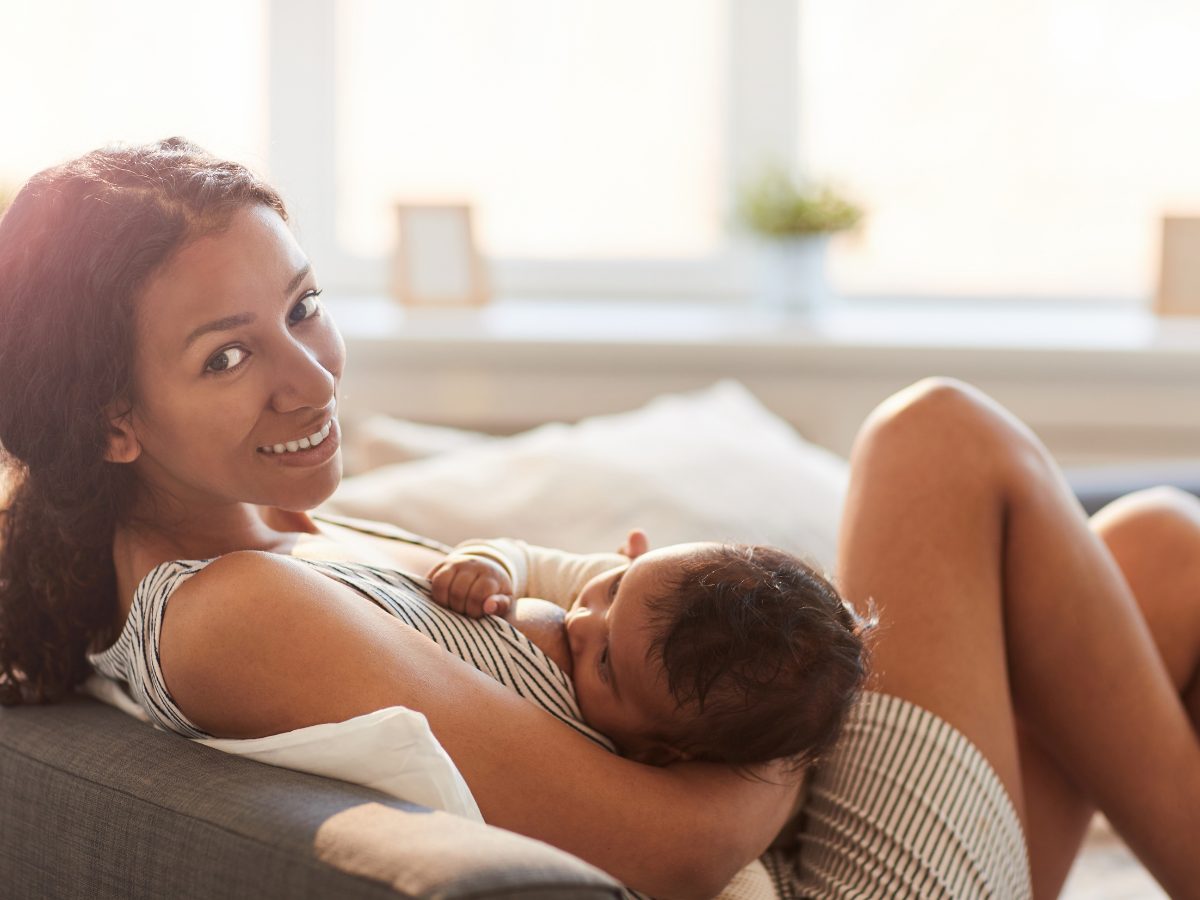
x=762, y=651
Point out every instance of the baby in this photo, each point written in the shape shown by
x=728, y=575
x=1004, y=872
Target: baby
x=720, y=652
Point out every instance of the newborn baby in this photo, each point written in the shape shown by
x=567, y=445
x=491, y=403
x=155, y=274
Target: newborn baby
x=721, y=652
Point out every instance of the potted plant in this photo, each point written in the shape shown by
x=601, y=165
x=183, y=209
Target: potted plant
x=794, y=222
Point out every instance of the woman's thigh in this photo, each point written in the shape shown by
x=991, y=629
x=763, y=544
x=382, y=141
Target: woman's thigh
x=922, y=536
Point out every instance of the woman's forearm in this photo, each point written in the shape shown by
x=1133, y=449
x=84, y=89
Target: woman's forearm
x=678, y=832
x=674, y=831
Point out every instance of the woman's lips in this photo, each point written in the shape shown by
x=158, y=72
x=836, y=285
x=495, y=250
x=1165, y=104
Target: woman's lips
x=313, y=456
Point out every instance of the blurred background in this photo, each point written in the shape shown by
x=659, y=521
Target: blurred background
x=1013, y=160
x=1024, y=149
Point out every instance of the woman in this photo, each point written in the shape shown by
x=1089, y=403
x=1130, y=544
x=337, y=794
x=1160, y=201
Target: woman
x=161, y=342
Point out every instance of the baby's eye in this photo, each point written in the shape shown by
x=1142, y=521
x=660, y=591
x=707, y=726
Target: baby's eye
x=602, y=664
x=309, y=304
x=222, y=361
x=612, y=588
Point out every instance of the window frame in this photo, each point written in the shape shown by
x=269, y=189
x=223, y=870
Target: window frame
x=761, y=77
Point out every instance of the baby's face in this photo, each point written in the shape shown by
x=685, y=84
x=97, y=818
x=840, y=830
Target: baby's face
x=621, y=692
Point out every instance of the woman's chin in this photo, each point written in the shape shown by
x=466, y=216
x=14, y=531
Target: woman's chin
x=314, y=492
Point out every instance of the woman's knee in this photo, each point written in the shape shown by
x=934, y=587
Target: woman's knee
x=1161, y=520
x=951, y=421
x=1154, y=537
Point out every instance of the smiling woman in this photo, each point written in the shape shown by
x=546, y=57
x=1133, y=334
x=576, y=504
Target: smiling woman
x=103, y=330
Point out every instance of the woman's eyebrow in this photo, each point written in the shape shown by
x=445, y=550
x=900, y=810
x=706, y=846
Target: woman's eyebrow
x=226, y=324
x=230, y=322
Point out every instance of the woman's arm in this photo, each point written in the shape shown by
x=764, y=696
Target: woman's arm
x=257, y=644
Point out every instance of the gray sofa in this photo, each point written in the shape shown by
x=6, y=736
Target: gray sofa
x=96, y=804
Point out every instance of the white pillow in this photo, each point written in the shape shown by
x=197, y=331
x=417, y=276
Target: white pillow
x=713, y=464
x=392, y=750
x=380, y=440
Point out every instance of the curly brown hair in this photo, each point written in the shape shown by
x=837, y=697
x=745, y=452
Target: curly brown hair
x=77, y=245
x=763, y=651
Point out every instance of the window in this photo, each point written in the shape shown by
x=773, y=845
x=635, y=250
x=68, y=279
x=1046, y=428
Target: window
x=1022, y=148
x=588, y=129
x=1012, y=148
x=75, y=75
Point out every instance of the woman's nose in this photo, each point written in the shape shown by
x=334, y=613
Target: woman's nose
x=302, y=380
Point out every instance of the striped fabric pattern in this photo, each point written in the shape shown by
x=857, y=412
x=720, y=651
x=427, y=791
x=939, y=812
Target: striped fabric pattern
x=490, y=644
x=905, y=807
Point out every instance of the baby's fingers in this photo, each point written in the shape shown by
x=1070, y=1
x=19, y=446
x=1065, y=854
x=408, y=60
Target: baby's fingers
x=483, y=596
x=497, y=605
x=440, y=577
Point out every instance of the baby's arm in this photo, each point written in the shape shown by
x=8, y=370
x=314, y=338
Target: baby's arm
x=545, y=572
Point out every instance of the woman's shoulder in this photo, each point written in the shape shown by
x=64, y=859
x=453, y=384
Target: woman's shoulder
x=250, y=625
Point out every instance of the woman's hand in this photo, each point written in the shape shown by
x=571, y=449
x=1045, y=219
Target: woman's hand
x=471, y=585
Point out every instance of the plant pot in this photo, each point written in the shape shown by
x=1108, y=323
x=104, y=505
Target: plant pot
x=792, y=274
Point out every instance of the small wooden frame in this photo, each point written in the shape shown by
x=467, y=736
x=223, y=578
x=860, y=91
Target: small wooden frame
x=1179, y=267
x=437, y=262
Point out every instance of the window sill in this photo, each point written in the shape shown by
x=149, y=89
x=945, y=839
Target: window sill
x=1102, y=385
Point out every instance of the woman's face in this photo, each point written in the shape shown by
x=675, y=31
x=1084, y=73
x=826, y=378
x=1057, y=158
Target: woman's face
x=234, y=353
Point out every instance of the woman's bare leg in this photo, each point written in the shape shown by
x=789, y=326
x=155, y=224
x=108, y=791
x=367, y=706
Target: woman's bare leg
x=999, y=604
x=1154, y=536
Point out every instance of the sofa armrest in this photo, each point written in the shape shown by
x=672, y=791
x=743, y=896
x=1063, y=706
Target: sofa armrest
x=98, y=804
x=1097, y=486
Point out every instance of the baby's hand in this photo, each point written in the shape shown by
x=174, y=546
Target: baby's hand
x=471, y=585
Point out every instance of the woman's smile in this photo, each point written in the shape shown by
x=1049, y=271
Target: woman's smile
x=326, y=448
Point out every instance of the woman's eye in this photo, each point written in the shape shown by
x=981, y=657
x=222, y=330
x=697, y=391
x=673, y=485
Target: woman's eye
x=310, y=306
x=220, y=362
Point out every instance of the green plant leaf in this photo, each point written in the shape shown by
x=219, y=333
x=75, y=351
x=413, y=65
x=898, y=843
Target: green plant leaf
x=775, y=205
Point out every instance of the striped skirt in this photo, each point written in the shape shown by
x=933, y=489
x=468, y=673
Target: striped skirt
x=905, y=806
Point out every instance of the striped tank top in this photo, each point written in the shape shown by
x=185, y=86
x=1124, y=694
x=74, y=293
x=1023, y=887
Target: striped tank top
x=490, y=644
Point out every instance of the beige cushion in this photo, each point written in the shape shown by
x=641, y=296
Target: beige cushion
x=713, y=464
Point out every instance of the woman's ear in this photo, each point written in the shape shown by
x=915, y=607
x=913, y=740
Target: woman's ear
x=123, y=446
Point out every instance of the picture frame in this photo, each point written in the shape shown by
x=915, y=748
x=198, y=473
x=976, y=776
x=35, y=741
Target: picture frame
x=1179, y=267
x=437, y=262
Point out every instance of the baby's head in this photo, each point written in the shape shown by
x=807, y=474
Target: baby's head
x=721, y=652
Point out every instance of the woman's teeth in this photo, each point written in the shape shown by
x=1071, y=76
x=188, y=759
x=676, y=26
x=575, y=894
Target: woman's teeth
x=303, y=444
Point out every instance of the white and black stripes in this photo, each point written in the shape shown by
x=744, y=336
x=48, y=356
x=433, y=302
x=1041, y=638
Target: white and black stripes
x=134, y=658
x=491, y=645
x=905, y=807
